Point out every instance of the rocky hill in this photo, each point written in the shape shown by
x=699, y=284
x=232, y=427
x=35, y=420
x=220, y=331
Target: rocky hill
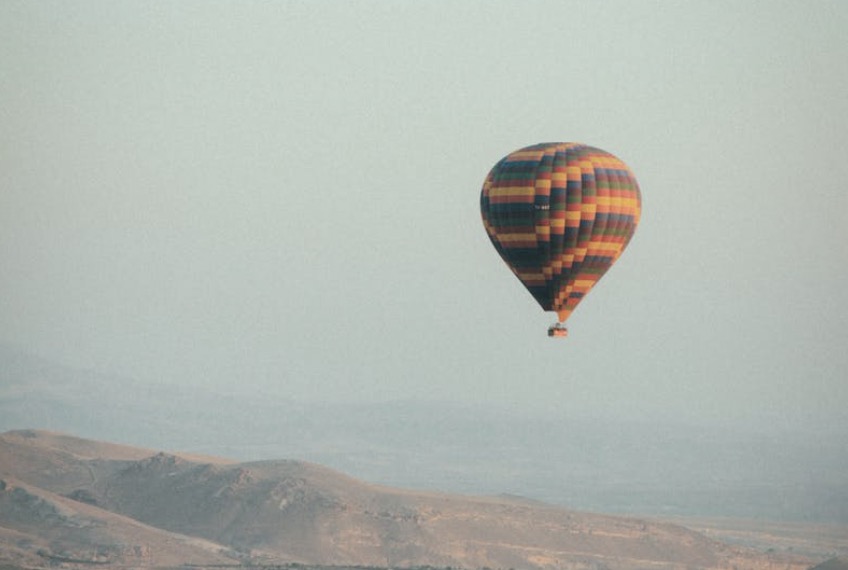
x=75, y=501
x=838, y=563
x=645, y=466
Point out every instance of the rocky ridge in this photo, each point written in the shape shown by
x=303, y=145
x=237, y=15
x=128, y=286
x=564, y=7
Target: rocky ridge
x=65, y=499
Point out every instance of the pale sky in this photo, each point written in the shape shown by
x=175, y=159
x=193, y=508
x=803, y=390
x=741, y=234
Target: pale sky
x=284, y=197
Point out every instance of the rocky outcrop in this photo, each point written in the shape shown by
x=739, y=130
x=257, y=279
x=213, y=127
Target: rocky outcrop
x=278, y=512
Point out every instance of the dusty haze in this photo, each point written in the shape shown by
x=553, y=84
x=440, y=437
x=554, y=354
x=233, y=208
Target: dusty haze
x=611, y=465
x=66, y=500
x=252, y=229
x=283, y=197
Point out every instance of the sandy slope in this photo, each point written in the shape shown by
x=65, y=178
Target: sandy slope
x=282, y=511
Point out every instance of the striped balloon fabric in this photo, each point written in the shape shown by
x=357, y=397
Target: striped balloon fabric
x=560, y=214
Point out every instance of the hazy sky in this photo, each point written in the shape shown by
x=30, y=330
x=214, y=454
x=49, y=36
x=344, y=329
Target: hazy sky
x=283, y=196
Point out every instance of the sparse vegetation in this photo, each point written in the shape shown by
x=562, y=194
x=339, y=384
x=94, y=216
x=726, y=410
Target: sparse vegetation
x=116, y=506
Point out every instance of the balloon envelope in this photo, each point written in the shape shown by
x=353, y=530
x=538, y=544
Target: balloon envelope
x=560, y=214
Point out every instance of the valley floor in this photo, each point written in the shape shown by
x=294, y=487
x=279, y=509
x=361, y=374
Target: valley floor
x=811, y=540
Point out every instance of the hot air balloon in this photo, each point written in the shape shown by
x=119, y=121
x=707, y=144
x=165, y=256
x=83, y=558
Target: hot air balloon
x=560, y=214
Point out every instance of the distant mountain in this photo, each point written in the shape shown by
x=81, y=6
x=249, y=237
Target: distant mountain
x=613, y=465
x=70, y=500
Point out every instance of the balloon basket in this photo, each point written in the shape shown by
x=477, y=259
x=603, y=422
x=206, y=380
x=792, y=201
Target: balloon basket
x=558, y=330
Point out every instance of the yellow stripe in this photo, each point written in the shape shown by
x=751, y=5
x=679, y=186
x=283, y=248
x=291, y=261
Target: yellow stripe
x=528, y=191
x=512, y=238
x=604, y=246
x=620, y=202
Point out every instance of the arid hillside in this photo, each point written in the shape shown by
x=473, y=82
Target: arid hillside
x=38, y=527
x=69, y=500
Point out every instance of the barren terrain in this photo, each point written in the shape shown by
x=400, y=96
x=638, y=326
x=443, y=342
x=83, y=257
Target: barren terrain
x=66, y=500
